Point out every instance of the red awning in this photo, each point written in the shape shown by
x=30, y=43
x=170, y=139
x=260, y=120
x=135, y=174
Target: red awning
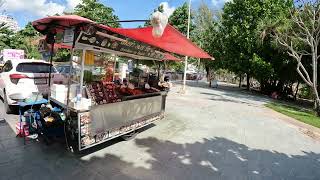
x=170, y=57
x=60, y=22
x=171, y=41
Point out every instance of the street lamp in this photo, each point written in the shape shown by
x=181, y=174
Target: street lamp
x=183, y=90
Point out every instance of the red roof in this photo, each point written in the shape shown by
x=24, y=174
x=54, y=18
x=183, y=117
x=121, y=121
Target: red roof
x=66, y=21
x=170, y=57
x=171, y=41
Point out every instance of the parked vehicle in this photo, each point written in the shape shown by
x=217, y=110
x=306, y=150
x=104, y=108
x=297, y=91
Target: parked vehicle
x=63, y=69
x=22, y=77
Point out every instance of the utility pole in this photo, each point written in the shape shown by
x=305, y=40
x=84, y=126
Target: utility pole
x=183, y=90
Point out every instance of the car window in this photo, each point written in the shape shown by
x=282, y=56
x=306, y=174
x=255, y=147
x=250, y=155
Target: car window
x=58, y=69
x=66, y=69
x=63, y=69
x=35, y=68
x=7, y=66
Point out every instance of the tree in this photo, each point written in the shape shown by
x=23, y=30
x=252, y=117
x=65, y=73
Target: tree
x=6, y=36
x=96, y=11
x=62, y=55
x=207, y=35
x=240, y=23
x=300, y=35
x=179, y=19
x=25, y=38
x=29, y=31
x=21, y=40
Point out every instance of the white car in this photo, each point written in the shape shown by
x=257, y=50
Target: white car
x=21, y=77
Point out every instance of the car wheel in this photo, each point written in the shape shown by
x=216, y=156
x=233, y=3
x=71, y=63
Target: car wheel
x=129, y=136
x=7, y=107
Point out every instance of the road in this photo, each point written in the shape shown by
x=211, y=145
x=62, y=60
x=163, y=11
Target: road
x=219, y=133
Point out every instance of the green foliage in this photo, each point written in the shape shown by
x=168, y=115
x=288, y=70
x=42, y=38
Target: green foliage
x=306, y=92
x=62, y=55
x=261, y=69
x=20, y=40
x=298, y=113
x=243, y=51
x=31, y=51
x=179, y=19
x=6, y=37
x=29, y=31
x=177, y=66
x=96, y=11
x=88, y=76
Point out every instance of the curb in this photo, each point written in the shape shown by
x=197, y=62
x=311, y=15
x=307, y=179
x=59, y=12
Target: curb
x=306, y=129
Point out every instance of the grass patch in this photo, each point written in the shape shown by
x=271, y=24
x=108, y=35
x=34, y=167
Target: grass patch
x=300, y=114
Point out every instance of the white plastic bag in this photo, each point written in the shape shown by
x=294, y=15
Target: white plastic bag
x=159, y=22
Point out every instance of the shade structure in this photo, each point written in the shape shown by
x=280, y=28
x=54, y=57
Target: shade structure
x=172, y=40
x=59, y=22
x=169, y=57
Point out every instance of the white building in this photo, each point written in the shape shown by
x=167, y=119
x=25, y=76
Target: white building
x=10, y=22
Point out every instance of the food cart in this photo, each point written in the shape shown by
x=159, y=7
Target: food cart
x=97, y=107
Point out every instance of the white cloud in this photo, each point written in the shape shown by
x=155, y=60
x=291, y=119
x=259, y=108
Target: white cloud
x=34, y=7
x=219, y=3
x=71, y=4
x=39, y=7
x=167, y=9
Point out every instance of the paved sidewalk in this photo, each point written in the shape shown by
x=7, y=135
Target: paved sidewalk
x=207, y=134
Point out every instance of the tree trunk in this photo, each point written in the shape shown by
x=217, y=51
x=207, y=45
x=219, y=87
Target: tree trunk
x=208, y=72
x=240, y=81
x=209, y=77
x=315, y=83
x=317, y=107
x=248, y=82
x=297, y=90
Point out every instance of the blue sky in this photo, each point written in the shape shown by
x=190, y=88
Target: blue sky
x=28, y=10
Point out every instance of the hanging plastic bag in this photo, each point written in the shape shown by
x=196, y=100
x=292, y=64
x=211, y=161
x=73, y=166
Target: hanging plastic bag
x=159, y=22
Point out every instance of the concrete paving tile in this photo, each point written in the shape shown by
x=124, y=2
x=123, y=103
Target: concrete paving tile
x=226, y=137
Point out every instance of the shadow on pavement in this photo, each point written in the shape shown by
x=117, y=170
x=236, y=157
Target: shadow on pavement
x=227, y=90
x=109, y=143
x=210, y=158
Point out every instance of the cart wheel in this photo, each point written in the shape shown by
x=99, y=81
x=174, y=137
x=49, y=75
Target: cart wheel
x=44, y=138
x=129, y=136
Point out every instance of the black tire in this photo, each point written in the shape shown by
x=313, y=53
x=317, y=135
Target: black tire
x=129, y=136
x=7, y=107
